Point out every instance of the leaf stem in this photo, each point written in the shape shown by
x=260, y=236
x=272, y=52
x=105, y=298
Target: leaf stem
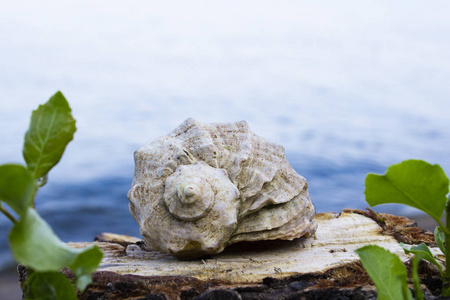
x=446, y=277
x=8, y=214
x=444, y=229
x=415, y=277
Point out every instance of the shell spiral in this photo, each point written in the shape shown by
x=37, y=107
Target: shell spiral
x=188, y=198
x=205, y=186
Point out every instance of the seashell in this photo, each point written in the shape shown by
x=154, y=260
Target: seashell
x=203, y=187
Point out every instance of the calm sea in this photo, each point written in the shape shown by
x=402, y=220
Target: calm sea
x=347, y=88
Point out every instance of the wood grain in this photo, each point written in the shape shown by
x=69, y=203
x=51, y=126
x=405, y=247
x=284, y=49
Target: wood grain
x=318, y=267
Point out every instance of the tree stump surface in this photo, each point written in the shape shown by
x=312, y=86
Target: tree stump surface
x=320, y=267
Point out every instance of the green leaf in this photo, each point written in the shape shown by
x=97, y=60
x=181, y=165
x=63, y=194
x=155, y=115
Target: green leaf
x=386, y=271
x=17, y=188
x=34, y=244
x=412, y=182
x=424, y=252
x=420, y=252
x=84, y=264
x=49, y=286
x=51, y=129
x=439, y=237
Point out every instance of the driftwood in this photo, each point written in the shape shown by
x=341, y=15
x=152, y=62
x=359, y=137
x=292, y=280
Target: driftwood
x=323, y=267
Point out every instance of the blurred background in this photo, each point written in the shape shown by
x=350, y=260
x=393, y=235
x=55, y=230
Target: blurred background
x=346, y=88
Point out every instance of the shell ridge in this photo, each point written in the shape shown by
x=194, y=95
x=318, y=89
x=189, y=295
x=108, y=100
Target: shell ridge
x=296, y=228
x=270, y=217
x=265, y=161
x=285, y=185
x=233, y=142
x=195, y=137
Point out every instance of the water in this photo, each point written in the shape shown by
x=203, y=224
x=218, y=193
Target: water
x=348, y=89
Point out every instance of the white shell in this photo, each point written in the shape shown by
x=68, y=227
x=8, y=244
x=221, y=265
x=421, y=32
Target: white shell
x=206, y=186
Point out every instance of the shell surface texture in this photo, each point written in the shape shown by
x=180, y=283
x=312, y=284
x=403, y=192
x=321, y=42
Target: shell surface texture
x=204, y=186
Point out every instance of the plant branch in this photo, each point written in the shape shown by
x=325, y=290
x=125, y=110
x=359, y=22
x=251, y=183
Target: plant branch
x=415, y=277
x=8, y=214
x=445, y=229
x=446, y=277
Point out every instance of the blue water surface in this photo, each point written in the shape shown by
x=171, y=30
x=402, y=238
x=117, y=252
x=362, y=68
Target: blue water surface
x=347, y=88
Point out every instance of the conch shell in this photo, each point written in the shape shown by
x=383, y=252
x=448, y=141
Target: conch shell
x=205, y=186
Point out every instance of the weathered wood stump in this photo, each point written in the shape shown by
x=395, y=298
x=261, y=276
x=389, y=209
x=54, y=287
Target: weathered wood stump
x=322, y=267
